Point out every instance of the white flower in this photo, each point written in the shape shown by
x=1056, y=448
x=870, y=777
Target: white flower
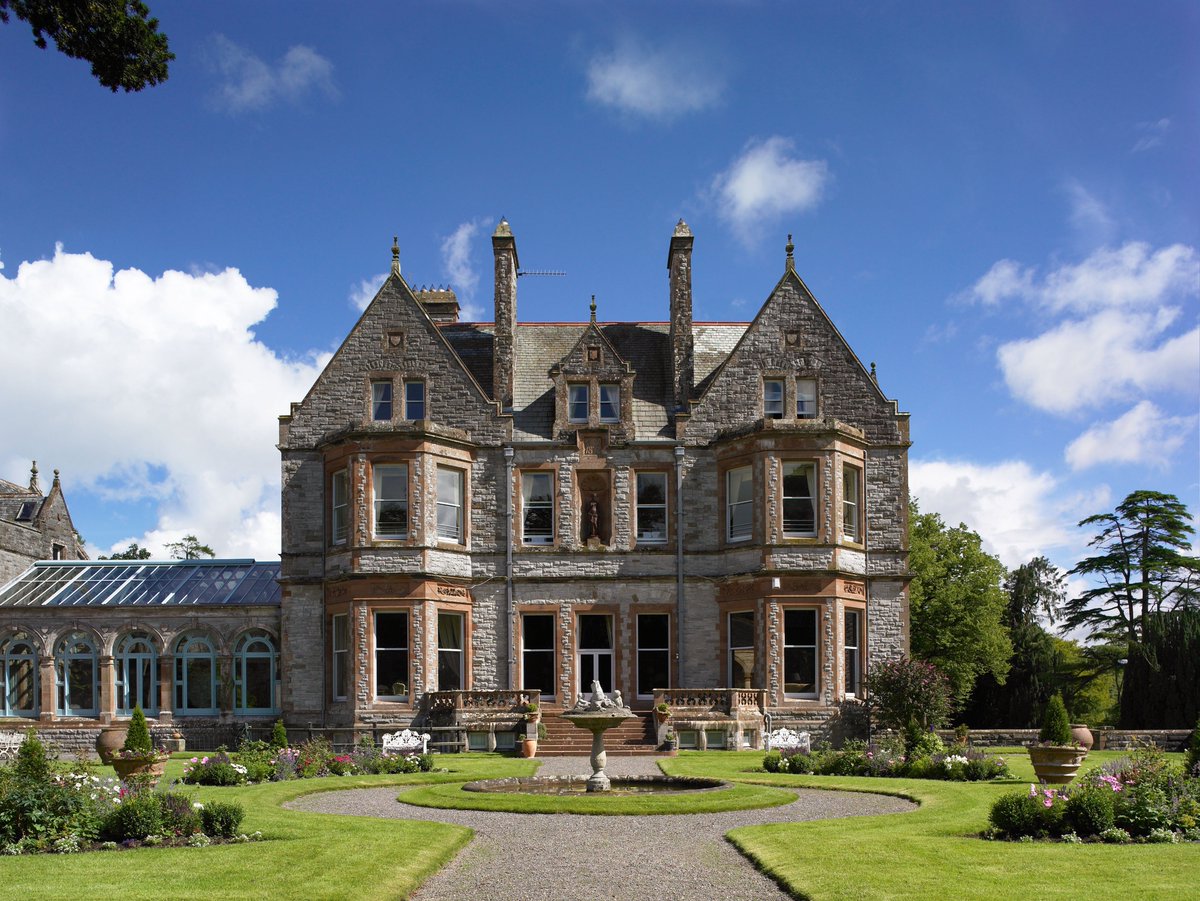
x=197, y=805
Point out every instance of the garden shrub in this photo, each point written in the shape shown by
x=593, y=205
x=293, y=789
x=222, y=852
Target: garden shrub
x=32, y=762
x=179, y=815
x=219, y=769
x=801, y=764
x=279, y=737
x=905, y=689
x=1056, y=725
x=313, y=758
x=1192, y=762
x=1016, y=814
x=258, y=757
x=1089, y=810
x=136, y=817
x=222, y=819
x=773, y=762
x=137, y=739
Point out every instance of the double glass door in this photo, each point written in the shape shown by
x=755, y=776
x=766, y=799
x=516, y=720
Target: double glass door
x=594, y=653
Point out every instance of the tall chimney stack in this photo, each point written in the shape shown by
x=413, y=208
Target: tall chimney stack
x=679, y=266
x=504, y=248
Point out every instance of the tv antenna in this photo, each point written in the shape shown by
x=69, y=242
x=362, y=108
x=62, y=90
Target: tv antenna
x=521, y=272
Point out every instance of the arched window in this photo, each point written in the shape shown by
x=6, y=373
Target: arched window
x=136, y=664
x=256, y=674
x=195, y=676
x=76, y=672
x=20, y=676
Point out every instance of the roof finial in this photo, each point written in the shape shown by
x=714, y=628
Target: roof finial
x=593, y=308
x=33, y=479
x=395, y=254
x=874, y=375
x=791, y=262
x=57, y=484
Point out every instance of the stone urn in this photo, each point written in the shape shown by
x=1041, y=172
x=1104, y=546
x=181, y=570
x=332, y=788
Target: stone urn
x=1082, y=735
x=1056, y=764
x=110, y=739
x=145, y=767
x=528, y=747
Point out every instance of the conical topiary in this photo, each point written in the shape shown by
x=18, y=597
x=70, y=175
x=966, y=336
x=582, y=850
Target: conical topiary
x=1056, y=725
x=279, y=737
x=137, y=739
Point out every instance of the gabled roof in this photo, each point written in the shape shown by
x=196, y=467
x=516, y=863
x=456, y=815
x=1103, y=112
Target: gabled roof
x=144, y=583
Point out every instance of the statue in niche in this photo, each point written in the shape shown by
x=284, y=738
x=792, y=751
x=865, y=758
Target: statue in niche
x=593, y=517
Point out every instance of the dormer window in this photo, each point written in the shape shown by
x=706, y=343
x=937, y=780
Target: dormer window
x=610, y=403
x=381, y=401
x=577, y=403
x=806, y=398
x=773, y=399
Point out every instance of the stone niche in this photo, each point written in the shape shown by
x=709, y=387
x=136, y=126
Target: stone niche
x=595, y=507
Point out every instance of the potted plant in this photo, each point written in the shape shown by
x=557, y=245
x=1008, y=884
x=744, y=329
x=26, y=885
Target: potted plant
x=138, y=759
x=1056, y=757
x=532, y=711
x=528, y=744
x=662, y=711
x=670, y=743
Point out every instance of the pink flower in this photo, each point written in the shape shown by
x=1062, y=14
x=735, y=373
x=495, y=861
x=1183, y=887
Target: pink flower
x=1049, y=802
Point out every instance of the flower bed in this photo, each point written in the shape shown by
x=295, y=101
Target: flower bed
x=1140, y=798
x=261, y=762
x=926, y=759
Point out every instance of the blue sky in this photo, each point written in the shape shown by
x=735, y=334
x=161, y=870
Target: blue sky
x=995, y=203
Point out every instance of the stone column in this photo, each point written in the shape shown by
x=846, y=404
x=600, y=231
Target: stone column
x=166, y=687
x=107, y=702
x=47, y=690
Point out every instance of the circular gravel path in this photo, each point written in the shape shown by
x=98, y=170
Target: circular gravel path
x=570, y=857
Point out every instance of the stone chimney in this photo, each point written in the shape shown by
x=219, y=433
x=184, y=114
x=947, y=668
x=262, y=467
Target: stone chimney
x=679, y=267
x=440, y=303
x=504, y=347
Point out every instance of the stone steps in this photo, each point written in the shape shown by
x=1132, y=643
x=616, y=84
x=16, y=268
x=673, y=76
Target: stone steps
x=633, y=737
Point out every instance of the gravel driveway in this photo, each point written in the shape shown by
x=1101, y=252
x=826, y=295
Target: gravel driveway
x=568, y=857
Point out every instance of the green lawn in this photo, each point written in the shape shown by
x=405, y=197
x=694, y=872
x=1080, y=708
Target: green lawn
x=305, y=855
x=934, y=852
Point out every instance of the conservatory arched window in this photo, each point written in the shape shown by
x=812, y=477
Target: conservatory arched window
x=195, y=676
x=20, y=675
x=256, y=674
x=136, y=664
x=76, y=672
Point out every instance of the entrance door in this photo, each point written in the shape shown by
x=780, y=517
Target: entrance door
x=595, y=652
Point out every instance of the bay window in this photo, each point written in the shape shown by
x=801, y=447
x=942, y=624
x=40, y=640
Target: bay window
x=800, y=653
x=739, y=504
x=852, y=642
x=741, y=649
x=799, y=500
x=851, y=503
x=391, y=655
x=450, y=504
x=390, y=482
x=339, y=506
x=341, y=657
x=450, y=651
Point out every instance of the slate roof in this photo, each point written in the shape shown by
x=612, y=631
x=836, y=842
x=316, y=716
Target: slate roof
x=644, y=345
x=144, y=583
x=13, y=498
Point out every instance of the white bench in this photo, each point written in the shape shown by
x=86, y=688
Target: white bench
x=789, y=742
x=406, y=742
x=10, y=743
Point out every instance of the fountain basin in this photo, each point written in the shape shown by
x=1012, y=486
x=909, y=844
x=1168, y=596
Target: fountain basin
x=578, y=785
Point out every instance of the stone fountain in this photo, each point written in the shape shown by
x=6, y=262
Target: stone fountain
x=598, y=715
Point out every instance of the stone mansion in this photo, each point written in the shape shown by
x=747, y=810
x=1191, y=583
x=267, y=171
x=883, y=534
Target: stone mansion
x=713, y=515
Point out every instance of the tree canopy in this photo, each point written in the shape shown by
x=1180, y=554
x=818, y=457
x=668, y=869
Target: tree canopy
x=189, y=548
x=956, y=602
x=1139, y=565
x=133, y=552
x=123, y=45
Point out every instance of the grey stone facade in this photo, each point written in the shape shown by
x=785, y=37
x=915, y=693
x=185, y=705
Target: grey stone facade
x=34, y=527
x=510, y=409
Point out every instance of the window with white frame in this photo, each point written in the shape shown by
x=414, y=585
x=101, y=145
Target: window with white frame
x=414, y=400
x=799, y=500
x=741, y=649
x=577, y=403
x=341, y=656
x=852, y=638
x=450, y=504
x=651, y=510
x=390, y=483
x=537, y=508
x=391, y=655
x=800, y=652
x=653, y=653
x=610, y=403
x=339, y=506
x=773, y=399
x=450, y=651
x=537, y=653
x=739, y=504
x=806, y=398
x=851, y=503
x=381, y=400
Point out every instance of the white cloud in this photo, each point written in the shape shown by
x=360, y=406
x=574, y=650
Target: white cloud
x=157, y=391
x=459, y=269
x=1128, y=276
x=1088, y=362
x=654, y=82
x=1009, y=504
x=1089, y=215
x=250, y=83
x=364, y=292
x=1153, y=134
x=1145, y=434
x=767, y=182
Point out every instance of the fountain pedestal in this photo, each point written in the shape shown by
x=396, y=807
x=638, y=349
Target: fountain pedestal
x=598, y=716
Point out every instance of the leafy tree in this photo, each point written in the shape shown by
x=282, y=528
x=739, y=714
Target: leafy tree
x=1139, y=565
x=903, y=690
x=189, y=548
x=123, y=45
x=956, y=603
x=1162, y=677
x=133, y=552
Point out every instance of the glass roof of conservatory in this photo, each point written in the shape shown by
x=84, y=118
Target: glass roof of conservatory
x=143, y=583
